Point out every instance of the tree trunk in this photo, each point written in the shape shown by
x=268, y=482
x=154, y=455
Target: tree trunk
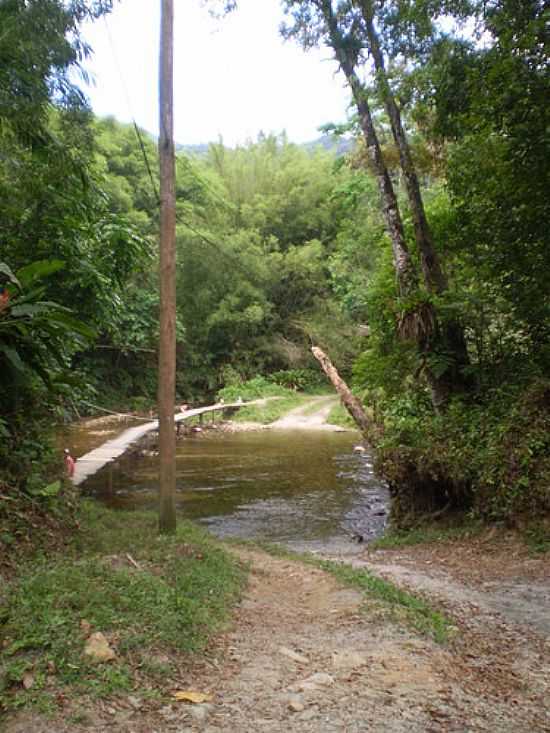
x=434, y=277
x=404, y=267
x=350, y=402
x=167, y=345
x=346, y=55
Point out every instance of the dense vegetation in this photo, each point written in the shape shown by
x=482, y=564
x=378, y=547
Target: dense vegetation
x=418, y=261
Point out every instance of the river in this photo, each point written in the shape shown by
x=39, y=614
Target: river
x=307, y=489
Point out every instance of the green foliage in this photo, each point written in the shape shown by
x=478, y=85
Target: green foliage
x=251, y=389
x=72, y=254
x=176, y=601
x=298, y=379
x=340, y=416
x=490, y=457
x=280, y=247
x=33, y=332
x=537, y=537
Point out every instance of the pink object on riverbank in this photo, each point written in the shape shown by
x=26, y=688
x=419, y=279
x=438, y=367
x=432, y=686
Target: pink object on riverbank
x=70, y=463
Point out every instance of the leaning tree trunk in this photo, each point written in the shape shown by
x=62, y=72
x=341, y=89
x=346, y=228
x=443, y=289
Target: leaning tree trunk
x=350, y=402
x=434, y=275
x=404, y=266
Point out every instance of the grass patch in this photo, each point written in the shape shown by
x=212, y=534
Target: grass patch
x=261, y=388
x=537, y=538
x=273, y=409
x=415, y=611
x=178, y=596
x=340, y=416
x=425, y=535
x=404, y=607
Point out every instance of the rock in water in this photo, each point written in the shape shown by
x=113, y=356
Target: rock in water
x=98, y=649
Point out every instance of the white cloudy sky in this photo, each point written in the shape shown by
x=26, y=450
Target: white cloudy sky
x=233, y=77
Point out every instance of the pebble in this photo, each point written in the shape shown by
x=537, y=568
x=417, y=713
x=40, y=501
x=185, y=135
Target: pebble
x=296, y=705
x=348, y=660
x=308, y=714
x=316, y=681
x=291, y=654
x=200, y=712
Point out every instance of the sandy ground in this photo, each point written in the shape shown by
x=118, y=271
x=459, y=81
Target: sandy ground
x=312, y=416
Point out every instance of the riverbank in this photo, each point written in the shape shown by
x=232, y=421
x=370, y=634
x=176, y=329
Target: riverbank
x=309, y=646
x=445, y=636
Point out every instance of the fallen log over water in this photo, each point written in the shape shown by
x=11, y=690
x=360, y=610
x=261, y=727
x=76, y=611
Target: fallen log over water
x=350, y=402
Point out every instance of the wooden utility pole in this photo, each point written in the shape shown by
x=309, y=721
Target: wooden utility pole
x=167, y=345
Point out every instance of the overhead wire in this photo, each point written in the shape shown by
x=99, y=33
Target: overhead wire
x=228, y=205
x=156, y=192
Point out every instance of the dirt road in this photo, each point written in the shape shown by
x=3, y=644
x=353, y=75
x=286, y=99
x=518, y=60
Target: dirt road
x=312, y=416
x=305, y=654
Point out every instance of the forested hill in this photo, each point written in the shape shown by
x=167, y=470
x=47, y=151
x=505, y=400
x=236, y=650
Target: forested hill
x=339, y=145
x=418, y=260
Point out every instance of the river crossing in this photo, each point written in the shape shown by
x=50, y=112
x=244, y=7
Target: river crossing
x=307, y=489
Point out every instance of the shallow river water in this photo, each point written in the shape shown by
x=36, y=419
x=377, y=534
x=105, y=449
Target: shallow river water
x=306, y=489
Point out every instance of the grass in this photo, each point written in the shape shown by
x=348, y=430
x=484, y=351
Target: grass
x=179, y=595
x=404, y=607
x=340, y=416
x=425, y=535
x=537, y=538
x=273, y=409
x=280, y=400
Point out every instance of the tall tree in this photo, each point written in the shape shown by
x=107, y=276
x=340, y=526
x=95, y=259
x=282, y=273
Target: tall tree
x=326, y=24
x=435, y=279
x=319, y=21
x=167, y=346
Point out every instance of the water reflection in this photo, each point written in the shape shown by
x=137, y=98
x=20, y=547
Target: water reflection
x=306, y=489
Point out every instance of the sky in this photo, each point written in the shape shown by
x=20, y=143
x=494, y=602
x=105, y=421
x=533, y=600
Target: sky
x=234, y=76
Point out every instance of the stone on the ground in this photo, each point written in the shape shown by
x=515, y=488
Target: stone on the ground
x=98, y=649
x=296, y=705
x=316, y=682
x=347, y=659
x=291, y=654
x=309, y=714
x=200, y=712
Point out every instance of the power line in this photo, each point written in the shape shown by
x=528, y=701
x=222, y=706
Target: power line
x=156, y=192
x=234, y=260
